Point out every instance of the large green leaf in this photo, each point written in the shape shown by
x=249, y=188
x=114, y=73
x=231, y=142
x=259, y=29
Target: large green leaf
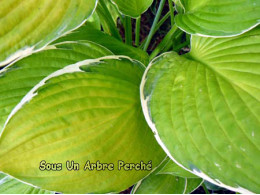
x=204, y=108
x=160, y=182
x=9, y=185
x=218, y=18
x=87, y=111
x=18, y=79
x=28, y=26
x=133, y=8
x=117, y=47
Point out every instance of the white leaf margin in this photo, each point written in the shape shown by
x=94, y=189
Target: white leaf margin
x=144, y=103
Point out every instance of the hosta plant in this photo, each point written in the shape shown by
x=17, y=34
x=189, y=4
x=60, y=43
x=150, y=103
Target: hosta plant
x=84, y=108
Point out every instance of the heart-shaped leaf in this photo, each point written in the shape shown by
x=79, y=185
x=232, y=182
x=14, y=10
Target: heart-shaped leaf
x=217, y=18
x=204, y=108
x=28, y=26
x=133, y=8
x=9, y=185
x=88, y=112
x=18, y=79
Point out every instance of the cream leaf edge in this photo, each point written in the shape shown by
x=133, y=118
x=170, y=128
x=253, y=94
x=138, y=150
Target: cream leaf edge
x=144, y=103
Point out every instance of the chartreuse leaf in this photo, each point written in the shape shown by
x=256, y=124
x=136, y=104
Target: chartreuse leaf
x=28, y=26
x=9, y=185
x=204, y=108
x=87, y=111
x=160, y=182
x=217, y=18
x=18, y=79
x=86, y=32
x=133, y=8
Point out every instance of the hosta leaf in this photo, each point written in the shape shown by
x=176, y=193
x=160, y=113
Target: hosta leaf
x=9, y=185
x=86, y=111
x=166, y=183
x=133, y=8
x=117, y=47
x=218, y=18
x=28, y=26
x=204, y=108
x=18, y=79
x=161, y=184
x=174, y=169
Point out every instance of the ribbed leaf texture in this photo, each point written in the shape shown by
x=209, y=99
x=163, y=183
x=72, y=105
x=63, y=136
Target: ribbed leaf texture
x=204, y=108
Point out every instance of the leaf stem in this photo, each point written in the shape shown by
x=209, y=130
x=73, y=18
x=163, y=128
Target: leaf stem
x=152, y=31
x=164, y=45
x=160, y=23
x=137, y=31
x=205, y=188
x=171, y=11
x=128, y=30
x=107, y=21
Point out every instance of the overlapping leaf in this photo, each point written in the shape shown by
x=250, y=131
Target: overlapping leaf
x=30, y=25
x=170, y=182
x=172, y=168
x=10, y=185
x=217, y=18
x=86, y=32
x=204, y=108
x=18, y=79
x=86, y=111
x=133, y=8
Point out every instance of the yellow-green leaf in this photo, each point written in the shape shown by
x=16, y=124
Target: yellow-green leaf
x=19, y=78
x=133, y=8
x=89, y=111
x=29, y=25
x=217, y=18
x=204, y=108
